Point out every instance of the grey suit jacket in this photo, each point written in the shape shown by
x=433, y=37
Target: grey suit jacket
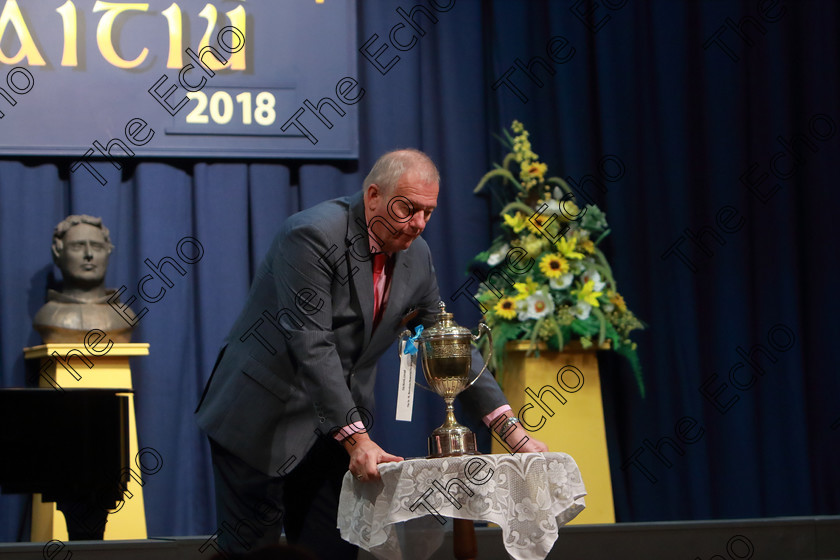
x=301, y=357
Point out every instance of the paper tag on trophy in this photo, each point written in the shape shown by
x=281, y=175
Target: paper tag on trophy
x=405, y=392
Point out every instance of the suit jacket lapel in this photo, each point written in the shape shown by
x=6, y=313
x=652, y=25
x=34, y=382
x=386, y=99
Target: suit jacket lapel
x=399, y=280
x=358, y=255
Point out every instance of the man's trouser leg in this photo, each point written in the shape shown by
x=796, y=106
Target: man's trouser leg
x=310, y=497
x=249, y=509
x=251, y=506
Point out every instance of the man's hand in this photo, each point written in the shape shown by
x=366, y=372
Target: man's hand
x=533, y=446
x=365, y=455
x=517, y=433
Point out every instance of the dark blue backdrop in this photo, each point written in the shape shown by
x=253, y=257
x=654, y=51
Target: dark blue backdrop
x=696, y=130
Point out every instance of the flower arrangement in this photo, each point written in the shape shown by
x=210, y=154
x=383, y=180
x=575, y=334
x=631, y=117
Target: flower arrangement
x=552, y=282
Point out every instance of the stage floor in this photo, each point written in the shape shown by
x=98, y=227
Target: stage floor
x=788, y=538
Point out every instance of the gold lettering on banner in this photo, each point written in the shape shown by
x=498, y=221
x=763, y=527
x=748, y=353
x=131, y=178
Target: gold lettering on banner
x=13, y=21
x=237, y=20
x=68, y=19
x=104, y=32
x=28, y=49
x=173, y=17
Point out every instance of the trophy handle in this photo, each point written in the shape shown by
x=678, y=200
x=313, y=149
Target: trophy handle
x=483, y=329
x=424, y=387
x=407, y=334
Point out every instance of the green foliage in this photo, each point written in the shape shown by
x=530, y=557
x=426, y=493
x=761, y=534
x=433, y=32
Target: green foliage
x=568, y=291
x=594, y=219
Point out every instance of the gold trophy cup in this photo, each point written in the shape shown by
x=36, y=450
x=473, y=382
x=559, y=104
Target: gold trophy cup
x=445, y=349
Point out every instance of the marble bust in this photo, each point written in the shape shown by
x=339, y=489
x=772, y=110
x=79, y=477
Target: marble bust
x=81, y=246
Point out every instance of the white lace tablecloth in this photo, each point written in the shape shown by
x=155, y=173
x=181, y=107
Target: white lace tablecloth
x=529, y=495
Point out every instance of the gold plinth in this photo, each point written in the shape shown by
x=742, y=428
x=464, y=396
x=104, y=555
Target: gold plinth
x=109, y=371
x=576, y=427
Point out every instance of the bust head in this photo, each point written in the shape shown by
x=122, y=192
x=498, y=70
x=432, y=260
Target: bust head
x=81, y=246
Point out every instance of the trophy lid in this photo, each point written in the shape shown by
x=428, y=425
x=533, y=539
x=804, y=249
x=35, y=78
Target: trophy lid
x=445, y=327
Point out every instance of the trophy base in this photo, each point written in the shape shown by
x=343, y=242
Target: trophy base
x=452, y=444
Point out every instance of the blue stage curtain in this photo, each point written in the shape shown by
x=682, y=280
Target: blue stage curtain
x=678, y=124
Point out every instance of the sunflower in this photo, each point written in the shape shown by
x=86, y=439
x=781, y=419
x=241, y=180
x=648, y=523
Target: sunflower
x=532, y=170
x=536, y=222
x=554, y=265
x=588, y=246
x=506, y=308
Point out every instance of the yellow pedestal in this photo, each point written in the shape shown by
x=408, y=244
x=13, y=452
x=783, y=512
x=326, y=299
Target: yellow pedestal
x=109, y=371
x=577, y=424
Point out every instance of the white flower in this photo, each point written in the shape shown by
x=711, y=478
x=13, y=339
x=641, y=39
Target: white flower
x=596, y=278
x=561, y=283
x=539, y=304
x=526, y=510
x=424, y=479
x=557, y=473
x=496, y=487
x=581, y=310
x=498, y=256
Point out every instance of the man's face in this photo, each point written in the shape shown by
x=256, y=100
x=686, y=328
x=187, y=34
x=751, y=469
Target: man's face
x=407, y=211
x=84, y=256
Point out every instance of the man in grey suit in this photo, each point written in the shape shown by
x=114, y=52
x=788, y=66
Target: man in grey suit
x=290, y=394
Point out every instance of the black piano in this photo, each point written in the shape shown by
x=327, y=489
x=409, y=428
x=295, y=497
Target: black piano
x=70, y=445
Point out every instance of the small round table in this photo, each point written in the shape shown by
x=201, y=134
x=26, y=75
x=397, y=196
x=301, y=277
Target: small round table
x=401, y=516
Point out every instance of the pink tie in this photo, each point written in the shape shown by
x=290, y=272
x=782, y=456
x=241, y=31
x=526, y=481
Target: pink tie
x=379, y=278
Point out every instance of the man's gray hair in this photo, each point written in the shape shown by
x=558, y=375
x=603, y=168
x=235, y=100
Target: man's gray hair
x=73, y=220
x=392, y=165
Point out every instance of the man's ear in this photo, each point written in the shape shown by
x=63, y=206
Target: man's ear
x=371, y=194
x=55, y=254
